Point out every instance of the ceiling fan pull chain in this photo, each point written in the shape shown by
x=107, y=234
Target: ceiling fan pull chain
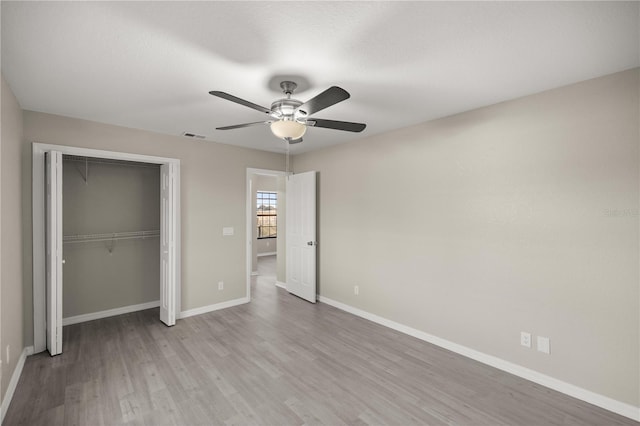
x=287, y=166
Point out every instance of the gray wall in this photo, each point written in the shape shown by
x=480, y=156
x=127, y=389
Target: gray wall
x=114, y=198
x=213, y=180
x=267, y=246
x=521, y=216
x=11, y=285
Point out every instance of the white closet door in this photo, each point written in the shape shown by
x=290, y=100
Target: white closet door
x=54, y=252
x=168, y=222
x=301, y=235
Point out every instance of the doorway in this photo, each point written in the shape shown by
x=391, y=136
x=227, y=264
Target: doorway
x=266, y=248
x=45, y=250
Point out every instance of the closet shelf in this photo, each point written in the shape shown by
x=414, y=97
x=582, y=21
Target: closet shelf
x=114, y=236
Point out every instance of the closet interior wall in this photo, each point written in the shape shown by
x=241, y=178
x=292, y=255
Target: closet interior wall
x=111, y=222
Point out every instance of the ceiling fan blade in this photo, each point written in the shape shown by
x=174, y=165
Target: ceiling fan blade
x=237, y=100
x=331, y=96
x=293, y=141
x=337, y=125
x=239, y=126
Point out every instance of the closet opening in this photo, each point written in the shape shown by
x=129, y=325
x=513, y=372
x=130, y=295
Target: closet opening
x=111, y=237
x=106, y=238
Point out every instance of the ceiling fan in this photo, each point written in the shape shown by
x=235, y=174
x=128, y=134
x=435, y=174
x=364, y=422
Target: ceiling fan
x=291, y=117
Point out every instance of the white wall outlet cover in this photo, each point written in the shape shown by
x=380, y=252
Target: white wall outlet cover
x=227, y=230
x=220, y=285
x=525, y=339
x=544, y=345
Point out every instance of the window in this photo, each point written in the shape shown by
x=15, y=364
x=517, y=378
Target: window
x=267, y=214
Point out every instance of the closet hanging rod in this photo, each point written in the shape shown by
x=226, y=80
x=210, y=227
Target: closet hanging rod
x=92, y=160
x=110, y=236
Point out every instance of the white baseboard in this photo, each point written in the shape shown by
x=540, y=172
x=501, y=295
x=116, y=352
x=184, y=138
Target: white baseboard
x=270, y=253
x=601, y=401
x=214, y=307
x=282, y=285
x=15, y=377
x=109, y=313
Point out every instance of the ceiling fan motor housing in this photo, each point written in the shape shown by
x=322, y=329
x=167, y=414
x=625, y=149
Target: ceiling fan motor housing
x=285, y=108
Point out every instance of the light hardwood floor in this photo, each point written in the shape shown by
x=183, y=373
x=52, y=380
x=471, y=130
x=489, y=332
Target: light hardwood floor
x=276, y=361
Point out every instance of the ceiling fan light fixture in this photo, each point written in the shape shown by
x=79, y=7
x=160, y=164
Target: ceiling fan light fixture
x=288, y=129
x=289, y=117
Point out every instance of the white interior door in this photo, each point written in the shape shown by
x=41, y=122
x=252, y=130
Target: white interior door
x=301, y=235
x=168, y=234
x=54, y=252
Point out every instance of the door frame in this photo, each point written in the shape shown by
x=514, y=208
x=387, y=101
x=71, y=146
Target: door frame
x=54, y=239
x=38, y=186
x=250, y=221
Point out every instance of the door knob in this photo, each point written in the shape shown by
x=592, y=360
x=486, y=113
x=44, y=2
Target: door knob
x=311, y=243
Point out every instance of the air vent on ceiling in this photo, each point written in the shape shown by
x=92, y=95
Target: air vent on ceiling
x=192, y=135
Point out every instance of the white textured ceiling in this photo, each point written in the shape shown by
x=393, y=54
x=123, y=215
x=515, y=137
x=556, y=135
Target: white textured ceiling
x=150, y=65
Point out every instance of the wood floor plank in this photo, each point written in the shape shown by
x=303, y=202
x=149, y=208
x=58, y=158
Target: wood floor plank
x=275, y=361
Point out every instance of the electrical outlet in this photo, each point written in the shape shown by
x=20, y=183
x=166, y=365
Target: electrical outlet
x=356, y=290
x=525, y=339
x=543, y=345
x=220, y=285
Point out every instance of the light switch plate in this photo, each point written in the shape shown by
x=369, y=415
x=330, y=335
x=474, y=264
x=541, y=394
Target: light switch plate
x=227, y=230
x=543, y=345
